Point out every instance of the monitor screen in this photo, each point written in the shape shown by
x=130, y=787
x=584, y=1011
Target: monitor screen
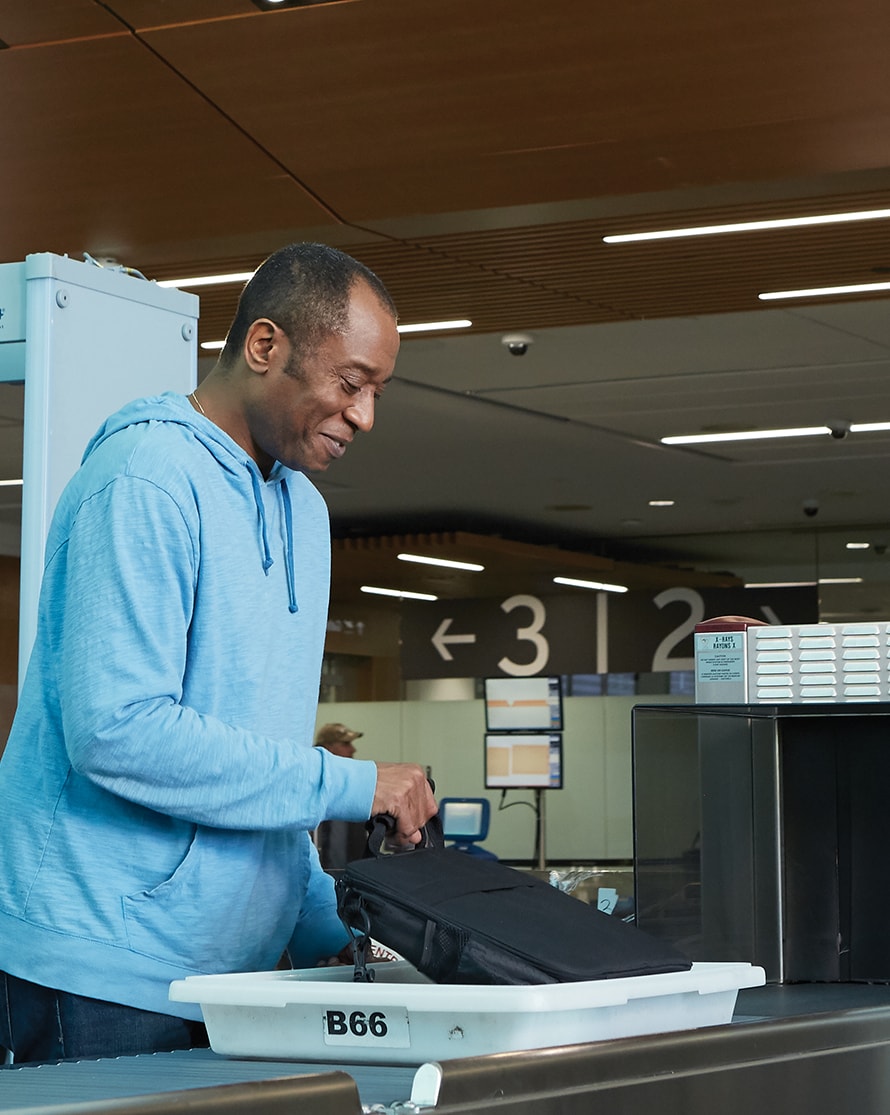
x=523, y=704
x=523, y=761
x=464, y=819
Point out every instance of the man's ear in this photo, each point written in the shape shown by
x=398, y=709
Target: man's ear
x=262, y=340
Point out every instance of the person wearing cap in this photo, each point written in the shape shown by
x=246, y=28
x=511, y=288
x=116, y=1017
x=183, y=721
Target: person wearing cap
x=338, y=739
x=339, y=842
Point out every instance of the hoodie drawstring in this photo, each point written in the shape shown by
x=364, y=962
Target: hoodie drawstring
x=284, y=497
x=261, y=511
x=289, y=558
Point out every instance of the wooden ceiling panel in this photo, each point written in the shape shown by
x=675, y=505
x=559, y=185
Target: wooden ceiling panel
x=144, y=15
x=111, y=169
x=50, y=21
x=459, y=107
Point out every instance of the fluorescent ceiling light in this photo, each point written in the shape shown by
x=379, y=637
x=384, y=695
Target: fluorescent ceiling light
x=422, y=327
x=868, y=427
x=778, y=584
x=749, y=226
x=445, y=562
x=804, y=584
x=403, y=594
x=596, y=585
x=430, y=326
x=661, y=503
x=746, y=435
x=823, y=291
x=11, y=483
x=209, y=280
x=858, y=545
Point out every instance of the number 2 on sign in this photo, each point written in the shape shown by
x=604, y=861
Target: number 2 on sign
x=662, y=660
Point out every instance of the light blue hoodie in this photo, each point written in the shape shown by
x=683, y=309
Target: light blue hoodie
x=159, y=780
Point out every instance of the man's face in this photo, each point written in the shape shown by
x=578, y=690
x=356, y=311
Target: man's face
x=313, y=403
x=342, y=747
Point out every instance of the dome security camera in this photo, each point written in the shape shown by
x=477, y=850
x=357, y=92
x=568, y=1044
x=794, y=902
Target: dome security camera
x=810, y=508
x=839, y=430
x=517, y=344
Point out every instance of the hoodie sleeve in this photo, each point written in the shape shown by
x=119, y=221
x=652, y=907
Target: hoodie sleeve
x=319, y=934
x=122, y=588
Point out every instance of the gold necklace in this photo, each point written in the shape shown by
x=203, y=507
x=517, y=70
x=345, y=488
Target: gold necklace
x=197, y=402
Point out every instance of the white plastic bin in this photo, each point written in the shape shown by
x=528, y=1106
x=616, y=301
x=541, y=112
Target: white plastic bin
x=319, y=1014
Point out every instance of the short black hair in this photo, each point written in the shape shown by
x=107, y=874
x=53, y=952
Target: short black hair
x=304, y=288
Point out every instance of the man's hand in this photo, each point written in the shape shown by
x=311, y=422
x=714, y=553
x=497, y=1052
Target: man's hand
x=404, y=793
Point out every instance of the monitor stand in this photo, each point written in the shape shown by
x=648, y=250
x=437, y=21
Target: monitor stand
x=540, y=835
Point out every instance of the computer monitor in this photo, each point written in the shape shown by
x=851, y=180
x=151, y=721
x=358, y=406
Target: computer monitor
x=464, y=820
x=523, y=704
x=523, y=761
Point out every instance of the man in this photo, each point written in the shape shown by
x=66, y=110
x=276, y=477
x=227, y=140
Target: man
x=159, y=782
x=338, y=739
x=339, y=842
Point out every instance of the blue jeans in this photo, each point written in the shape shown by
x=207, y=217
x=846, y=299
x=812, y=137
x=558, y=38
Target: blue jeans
x=40, y=1024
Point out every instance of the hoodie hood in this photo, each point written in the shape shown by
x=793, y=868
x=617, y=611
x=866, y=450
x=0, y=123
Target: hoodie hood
x=174, y=408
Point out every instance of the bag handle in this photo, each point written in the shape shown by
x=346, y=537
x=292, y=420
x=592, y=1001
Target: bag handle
x=382, y=827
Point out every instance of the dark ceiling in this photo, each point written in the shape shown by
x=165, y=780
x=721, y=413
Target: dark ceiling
x=474, y=155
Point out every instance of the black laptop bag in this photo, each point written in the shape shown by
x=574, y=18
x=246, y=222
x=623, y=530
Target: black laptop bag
x=459, y=918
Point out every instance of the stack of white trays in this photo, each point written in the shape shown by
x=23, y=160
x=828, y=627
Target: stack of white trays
x=827, y=663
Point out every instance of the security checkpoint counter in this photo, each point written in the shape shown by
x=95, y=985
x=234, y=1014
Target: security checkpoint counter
x=820, y=1048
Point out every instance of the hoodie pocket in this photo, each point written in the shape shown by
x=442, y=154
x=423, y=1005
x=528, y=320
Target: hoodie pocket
x=226, y=907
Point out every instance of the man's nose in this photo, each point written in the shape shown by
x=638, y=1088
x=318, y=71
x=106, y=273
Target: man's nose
x=360, y=413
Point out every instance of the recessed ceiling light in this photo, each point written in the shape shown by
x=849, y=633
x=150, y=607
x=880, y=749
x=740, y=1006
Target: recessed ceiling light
x=402, y=594
x=804, y=584
x=760, y=435
x=428, y=327
x=209, y=280
x=432, y=326
x=778, y=584
x=271, y=5
x=745, y=435
x=823, y=291
x=447, y=563
x=597, y=586
x=749, y=226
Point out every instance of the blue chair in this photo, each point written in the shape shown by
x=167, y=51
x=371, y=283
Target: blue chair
x=465, y=823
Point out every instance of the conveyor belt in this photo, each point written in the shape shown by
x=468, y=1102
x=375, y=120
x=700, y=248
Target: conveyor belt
x=823, y=1048
x=25, y=1086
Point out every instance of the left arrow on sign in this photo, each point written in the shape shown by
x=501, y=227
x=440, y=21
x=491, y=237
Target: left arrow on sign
x=441, y=640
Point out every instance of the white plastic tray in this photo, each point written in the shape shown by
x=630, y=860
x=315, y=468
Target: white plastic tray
x=319, y=1014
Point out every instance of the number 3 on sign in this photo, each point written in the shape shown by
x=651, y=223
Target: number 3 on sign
x=531, y=634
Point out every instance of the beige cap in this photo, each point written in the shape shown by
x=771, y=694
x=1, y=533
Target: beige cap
x=335, y=733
